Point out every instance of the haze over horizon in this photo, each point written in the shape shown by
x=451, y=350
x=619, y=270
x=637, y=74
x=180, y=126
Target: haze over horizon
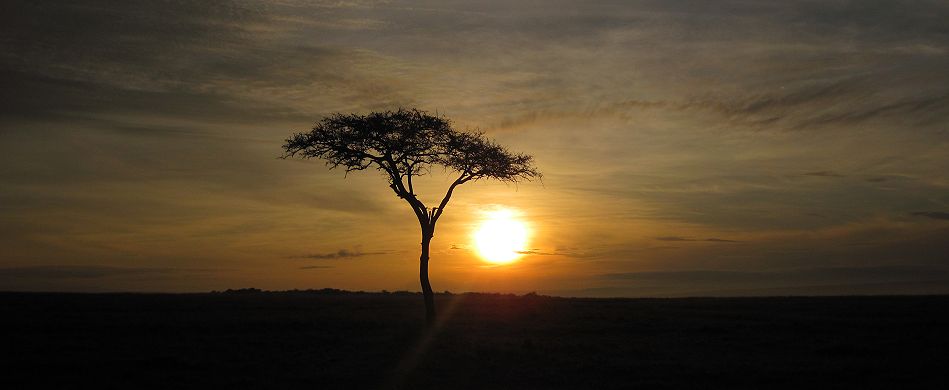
x=687, y=147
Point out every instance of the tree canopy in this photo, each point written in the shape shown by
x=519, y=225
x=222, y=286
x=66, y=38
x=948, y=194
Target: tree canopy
x=407, y=143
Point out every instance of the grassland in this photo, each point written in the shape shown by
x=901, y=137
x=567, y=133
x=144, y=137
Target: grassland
x=330, y=339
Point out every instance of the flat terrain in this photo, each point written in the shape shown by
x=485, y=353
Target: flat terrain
x=356, y=340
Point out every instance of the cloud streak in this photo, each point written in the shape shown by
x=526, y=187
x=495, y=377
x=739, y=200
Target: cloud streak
x=90, y=272
x=689, y=239
x=940, y=215
x=342, y=254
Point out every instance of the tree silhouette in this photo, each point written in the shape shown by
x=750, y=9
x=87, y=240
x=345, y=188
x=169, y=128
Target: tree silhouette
x=404, y=144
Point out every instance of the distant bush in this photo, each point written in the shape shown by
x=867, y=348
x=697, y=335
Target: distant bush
x=327, y=291
x=243, y=291
x=403, y=292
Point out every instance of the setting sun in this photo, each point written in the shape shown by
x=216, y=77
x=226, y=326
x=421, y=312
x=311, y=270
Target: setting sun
x=501, y=238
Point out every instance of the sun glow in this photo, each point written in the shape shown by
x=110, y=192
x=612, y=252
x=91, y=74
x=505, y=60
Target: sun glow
x=501, y=238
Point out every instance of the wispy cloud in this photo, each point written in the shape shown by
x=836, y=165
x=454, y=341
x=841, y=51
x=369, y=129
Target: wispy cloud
x=539, y=253
x=931, y=214
x=90, y=272
x=689, y=239
x=822, y=174
x=723, y=279
x=342, y=254
x=316, y=267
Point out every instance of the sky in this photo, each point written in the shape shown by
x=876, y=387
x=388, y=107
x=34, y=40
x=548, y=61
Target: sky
x=688, y=147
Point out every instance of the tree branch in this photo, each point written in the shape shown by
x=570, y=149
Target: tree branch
x=436, y=213
x=421, y=212
x=410, y=171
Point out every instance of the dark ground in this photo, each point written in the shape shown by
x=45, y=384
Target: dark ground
x=351, y=341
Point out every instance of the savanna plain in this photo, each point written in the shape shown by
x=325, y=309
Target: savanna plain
x=336, y=339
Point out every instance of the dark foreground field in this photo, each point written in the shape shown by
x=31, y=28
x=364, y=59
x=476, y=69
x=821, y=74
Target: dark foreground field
x=351, y=341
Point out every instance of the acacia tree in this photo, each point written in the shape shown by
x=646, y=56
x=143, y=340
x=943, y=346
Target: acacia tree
x=406, y=144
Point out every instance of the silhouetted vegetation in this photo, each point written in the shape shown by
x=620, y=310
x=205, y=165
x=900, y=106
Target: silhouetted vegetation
x=334, y=339
x=406, y=144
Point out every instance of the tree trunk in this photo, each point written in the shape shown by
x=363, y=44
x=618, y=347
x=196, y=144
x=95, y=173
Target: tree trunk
x=427, y=292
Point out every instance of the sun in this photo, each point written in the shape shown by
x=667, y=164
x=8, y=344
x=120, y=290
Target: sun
x=501, y=238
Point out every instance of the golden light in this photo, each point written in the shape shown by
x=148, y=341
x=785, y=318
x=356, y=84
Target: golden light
x=501, y=238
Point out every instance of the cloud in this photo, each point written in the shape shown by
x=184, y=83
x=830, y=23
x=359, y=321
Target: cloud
x=540, y=253
x=571, y=252
x=261, y=57
x=88, y=272
x=822, y=174
x=932, y=214
x=342, y=254
x=842, y=103
x=317, y=267
x=920, y=111
x=688, y=239
x=535, y=251
x=683, y=282
x=674, y=238
x=719, y=240
x=226, y=61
